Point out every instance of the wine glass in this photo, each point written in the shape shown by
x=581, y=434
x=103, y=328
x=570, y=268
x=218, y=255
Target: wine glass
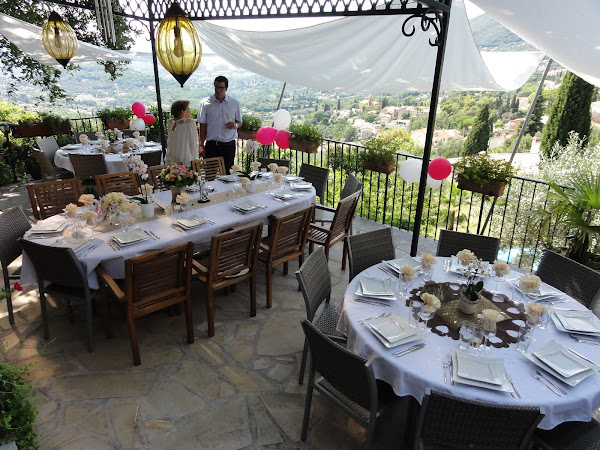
x=404, y=283
x=425, y=315
x=499, y=279
x=489, y=328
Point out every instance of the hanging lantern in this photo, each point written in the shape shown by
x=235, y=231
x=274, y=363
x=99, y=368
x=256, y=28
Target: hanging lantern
x=178, y=46
x=59, y=39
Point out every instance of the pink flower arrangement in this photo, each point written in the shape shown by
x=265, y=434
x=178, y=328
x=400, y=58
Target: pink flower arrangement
x=178, y=175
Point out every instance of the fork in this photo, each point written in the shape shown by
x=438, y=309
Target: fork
x=446, y=366
x=543, y=381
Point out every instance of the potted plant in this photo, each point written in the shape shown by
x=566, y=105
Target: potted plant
x=42, y=124
x=305, y=138
x=250, y=126
x=17, y=412
x=115, y=118
x=481, y=173
x=177, y=177
x=469, y=294
x=378, y=157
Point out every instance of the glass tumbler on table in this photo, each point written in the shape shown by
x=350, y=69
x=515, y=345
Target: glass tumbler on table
x=477, y=338
x=416, y=307
x=425, y=315
x=465, y=335
x=489, y=330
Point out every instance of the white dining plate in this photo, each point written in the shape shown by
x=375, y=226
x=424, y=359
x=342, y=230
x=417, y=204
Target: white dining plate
x=71, y=147
x=578, y=321
x=72, y=242
x=285, y=194
x=499, y=370
x=228, y=178
x=393, y=328
x=49, y=226
x=191, y=222
x=377, y=286
x=477, y=368
x=418, y=334
x=545, y=291
x=560, y=327
x=290, y=178
x=560, y=359
x=301, y=185
x=571, y=381
x=246, y=206
x=396, y=264
x=130, y=237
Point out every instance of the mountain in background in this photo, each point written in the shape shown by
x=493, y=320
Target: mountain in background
x=491, y=35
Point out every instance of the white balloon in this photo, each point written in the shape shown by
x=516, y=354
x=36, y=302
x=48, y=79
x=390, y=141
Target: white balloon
x=137, y=124
x=433, y=183
x=281, y=119
x=410, y=170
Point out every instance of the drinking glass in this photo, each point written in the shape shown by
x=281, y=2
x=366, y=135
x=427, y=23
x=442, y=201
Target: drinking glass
x=425, y=316
x=416, y=307
x=489, y=328
x=524, y=337
x=465, y=335
x=543, y=321
x=499, y=279
x=404, y=286
x=447, y=265
x=477, y=338
x=427, y=272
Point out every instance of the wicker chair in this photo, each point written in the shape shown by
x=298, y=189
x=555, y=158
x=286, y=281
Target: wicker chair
x=570, y=436
x=347, y=380
x=86, y=167
x=351, y=185
x=574, y=279
x=286, y=241
x=264, y=162
x=314, y=280
x=67, y=275
x=152, y=158
x=13, y=225
x=209, y=168
x=153, y=281
x=155, y=179
x=452, y=242
x=49, y=146
x=125, y=182
x=446, y=421
x=340, y=227
x=49, y=171
x=90, y=134
x=317, y=176
x=50, y=198
x=367, y=249
x=232, y=259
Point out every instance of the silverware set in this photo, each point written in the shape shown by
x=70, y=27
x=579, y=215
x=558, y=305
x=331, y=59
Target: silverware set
x=408, y=350
x=369, y=302
x=89, y=250
x=516, y=391
x=549, y=384
x=584, y=339
x=447, y=367
x=151, y=234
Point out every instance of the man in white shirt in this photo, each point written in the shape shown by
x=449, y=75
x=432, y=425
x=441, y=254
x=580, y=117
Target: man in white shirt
x=219, y=117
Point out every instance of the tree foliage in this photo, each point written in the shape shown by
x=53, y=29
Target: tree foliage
x=19, y=67
x=570, y=112
x=478, y=137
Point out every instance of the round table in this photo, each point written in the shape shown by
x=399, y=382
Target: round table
x=412, y=373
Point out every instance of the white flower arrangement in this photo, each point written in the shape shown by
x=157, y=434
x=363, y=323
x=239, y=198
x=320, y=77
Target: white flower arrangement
x=251, y=147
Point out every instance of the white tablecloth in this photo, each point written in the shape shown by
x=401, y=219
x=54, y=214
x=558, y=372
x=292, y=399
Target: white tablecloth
x=220, y=213
x=114, y=161
x=412, y=373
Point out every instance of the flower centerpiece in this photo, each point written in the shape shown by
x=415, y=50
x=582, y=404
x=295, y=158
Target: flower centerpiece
x=482, y=173
x=177, y=177
x=469, y=294
x=114, y=134
x=113, y=208
x=140, y=169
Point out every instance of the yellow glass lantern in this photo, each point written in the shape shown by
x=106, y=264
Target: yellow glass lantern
x=178, y=46
x=59, y=39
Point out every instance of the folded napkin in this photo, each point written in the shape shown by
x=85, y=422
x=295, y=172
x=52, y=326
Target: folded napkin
x=490, y=317
x=529, y=283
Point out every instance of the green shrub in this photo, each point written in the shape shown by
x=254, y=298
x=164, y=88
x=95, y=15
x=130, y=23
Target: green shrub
x=17, y=413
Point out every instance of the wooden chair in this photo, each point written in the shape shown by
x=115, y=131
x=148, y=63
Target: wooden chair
x=452, y=242
x=13, y=225
x=154, y=179
x=367, y=249
x=125, y=182
x=314, y=280
x=347, y=380
x=340, y=227
x=153, y=281
x=152, y=158
x=232, y=259
x=264, y=162
x=50, y=198
x=209, y=168
x=49, y=171
x=286, y=241
x=60, y=267
x=317, y=176
x=446, y=421
x=87, y=167
x=571, y=277
x=351, y=185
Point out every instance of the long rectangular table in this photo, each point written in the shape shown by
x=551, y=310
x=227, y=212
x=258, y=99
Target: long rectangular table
x=218, y=210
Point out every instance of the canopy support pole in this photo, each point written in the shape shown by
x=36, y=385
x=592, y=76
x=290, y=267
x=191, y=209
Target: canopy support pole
x=435, y=91
x=161, y=125
x=281, y=95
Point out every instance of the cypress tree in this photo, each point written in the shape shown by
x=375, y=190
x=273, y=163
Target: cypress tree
x=478, y=137
x=570, y=112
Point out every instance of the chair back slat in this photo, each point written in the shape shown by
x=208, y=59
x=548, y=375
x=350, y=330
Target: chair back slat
x=315, y=281
x=367, y=249
x=153, y=177
x=45, y=164
x=125, y=182
x=347, y=372
x=289, y=232
x=452, y=242
x=315, y=175
x=233, y=251
x=86, y=167
x=351, y=185
x=50, y=198
x=13, y=225
x=209, y=168
x=344, y=214
x=49, y=146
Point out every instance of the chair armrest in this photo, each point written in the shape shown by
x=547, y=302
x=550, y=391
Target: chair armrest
x=326, y=230
x=325, y=208
x=198, y=268
x=103, y=276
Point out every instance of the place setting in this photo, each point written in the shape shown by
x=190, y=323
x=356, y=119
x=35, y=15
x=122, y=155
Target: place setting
x=394, y=267
x=126, y=238
x=246, y=206
x=392, y=330
x=284, y=194
x=531, y=287
x=190, y=222
x=48, y=228
x=479, y=371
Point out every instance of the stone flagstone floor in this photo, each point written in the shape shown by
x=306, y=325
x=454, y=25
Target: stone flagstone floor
x=237, y=390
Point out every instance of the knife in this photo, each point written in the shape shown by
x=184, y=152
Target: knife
x=89, y=250
x=370, y=303
x=512, y=383
x=550, y=381
x=581, y=356
x=408, y=350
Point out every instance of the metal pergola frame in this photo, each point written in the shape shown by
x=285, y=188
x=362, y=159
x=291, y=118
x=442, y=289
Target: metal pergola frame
x=424, y=14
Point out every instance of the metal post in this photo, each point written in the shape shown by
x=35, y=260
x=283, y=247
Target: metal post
x=161, y=125
x=435, y=91
x=281, y=95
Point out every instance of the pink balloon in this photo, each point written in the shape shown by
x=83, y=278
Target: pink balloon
x=149, y=119
x=439, y=168
x=139, y=109
x=266, y=135
x=282, y=139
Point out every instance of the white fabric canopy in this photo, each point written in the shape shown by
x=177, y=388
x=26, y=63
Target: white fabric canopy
x=28, y=38
x=370, y=54
x=566, y=31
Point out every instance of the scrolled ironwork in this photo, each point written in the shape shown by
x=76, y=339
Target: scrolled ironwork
x=428, y=18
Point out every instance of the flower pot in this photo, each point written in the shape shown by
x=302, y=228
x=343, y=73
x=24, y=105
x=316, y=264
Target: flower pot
x=465, y=305
x=247, y=134
x=492, y=189
x=118, y=124
x=251, y=187
x=147, y=209
x=175, y=191
x=307, y=147
x=381, y=168
x=41, y=129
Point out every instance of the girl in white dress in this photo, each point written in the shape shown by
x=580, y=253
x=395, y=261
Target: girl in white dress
x=182, y=140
